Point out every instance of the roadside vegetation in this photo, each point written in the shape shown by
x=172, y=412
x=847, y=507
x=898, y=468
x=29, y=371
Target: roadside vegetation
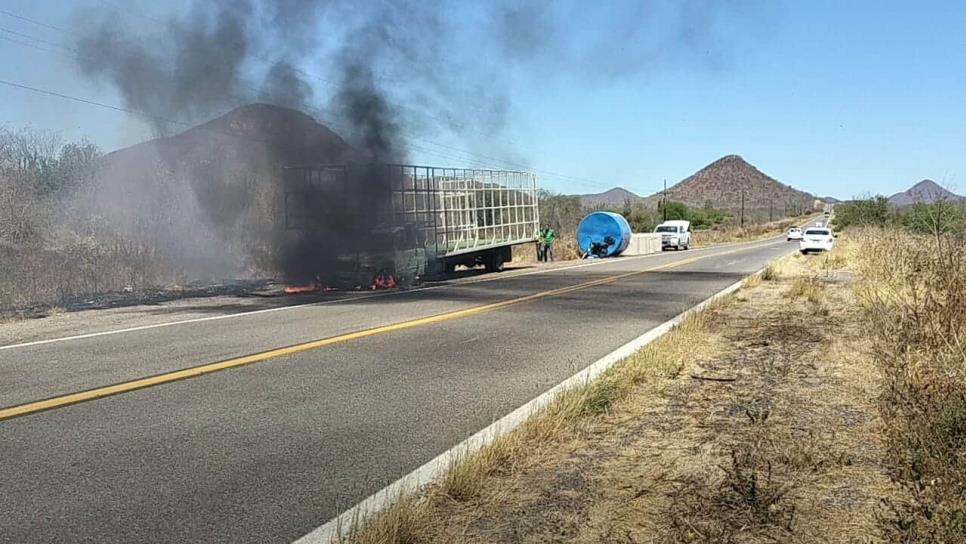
x=67, y=232
x=942, y=217
x=912, y=294
x=43, y=257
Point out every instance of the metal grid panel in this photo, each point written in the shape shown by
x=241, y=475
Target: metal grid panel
x=465, y=210
x=456, y=210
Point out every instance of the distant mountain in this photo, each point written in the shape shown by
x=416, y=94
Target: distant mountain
x=212, y=194
x=829, y=199
x=722, y=183
x=612, y=197
x=255, y=136
x=925, y=191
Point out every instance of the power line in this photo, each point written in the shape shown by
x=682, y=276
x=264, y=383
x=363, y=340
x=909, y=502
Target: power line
x=26, y=44
x=86, y=101
x=34, y=38
x=29, y=20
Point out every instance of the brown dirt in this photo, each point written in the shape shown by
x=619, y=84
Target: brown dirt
x=770, y=434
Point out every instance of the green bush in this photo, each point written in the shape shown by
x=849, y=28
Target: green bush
x=705, y=218
x=869, y=212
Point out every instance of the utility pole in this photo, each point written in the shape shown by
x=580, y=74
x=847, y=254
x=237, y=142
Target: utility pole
x=665, y=199
x=742, y=208
x=771, y=210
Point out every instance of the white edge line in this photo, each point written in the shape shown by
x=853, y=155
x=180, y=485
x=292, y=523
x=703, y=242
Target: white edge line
x=411, y=483
x=469, y=281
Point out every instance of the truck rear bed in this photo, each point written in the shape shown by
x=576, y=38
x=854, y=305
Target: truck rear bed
x=457, y=211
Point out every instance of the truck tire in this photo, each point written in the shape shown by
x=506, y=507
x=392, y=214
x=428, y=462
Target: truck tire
x=494, y=262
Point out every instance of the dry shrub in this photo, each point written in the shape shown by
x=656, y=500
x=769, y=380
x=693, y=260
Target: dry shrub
x=770, y=273
x=913, y=293
x=782, y=268
x=746, y=498
x=806, y=287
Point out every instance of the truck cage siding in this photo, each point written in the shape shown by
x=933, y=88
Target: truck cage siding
x=457, y=210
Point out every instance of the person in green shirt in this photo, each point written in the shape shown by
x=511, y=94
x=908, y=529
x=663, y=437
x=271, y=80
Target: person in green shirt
x=547, y=236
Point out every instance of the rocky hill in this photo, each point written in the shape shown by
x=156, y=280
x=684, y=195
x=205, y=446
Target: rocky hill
x=255, y=136
x=209, y=197
x=612, y=197
x=925, y=191
x=722, y=183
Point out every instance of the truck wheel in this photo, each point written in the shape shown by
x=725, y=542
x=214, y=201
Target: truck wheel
x=494, y=263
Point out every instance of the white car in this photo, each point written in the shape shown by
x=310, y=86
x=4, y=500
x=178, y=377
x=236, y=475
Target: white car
x=794, y=233
x=816, y=239
x=676, y=234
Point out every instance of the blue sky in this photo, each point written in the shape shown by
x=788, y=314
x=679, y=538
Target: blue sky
x=837, y=98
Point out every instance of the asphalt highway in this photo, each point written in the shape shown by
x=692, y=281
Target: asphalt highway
x=259, y=427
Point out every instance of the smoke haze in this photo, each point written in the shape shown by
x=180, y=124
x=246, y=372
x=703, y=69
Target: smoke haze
x=381, y=74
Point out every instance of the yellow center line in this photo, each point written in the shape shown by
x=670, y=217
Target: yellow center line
x=208, y=368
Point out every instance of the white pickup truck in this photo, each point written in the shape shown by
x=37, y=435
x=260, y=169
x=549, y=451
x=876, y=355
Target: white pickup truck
x=676, y=234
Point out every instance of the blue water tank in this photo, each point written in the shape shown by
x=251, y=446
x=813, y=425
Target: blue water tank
x=599, y=225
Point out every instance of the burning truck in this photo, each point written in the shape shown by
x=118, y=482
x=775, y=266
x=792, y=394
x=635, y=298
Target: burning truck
x=388, y=225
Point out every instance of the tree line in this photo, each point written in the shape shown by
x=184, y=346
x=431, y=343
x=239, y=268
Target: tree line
x=940, y=217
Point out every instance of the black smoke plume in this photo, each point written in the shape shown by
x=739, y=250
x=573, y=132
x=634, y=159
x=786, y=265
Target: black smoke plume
x=378, y=73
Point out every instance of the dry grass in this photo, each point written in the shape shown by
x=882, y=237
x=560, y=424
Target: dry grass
x=662, y=359
x=805, y=467
x=912, y=293
x=806, y=287
x=782, y=268
x=401, y=523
